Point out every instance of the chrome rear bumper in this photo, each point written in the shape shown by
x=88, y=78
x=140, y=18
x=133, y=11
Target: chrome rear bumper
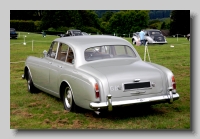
x=109, y=104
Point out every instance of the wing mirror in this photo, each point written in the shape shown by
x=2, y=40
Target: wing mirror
x=45, y=53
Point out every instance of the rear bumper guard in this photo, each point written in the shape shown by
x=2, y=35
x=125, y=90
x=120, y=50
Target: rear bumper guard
x=109, y=104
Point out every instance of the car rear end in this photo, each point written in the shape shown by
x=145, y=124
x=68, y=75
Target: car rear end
x=134, y=83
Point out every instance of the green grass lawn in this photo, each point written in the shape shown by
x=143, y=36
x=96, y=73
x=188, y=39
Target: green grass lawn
x=43, y=111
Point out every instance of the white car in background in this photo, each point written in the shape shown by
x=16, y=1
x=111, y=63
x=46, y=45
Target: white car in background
x=152, y=36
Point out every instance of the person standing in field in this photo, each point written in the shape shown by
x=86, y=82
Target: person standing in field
x=142, y=37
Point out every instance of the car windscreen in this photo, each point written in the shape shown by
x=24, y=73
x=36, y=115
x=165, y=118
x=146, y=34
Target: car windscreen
x=77, y=33
x=108, y=52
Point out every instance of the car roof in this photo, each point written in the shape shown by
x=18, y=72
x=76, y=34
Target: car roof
x=80, y=43
x=92, y=40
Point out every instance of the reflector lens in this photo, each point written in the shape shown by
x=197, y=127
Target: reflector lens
x=174, y=85
x=173, y=82
x=173, y=79
x=96, y=88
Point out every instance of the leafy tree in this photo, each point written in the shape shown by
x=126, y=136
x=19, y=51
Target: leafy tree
x=89, y=18
x=163, y=26
x=154, y=21
x=128, y=21
x=69, y=18
x=55, y=19
x=180, y=22
x=106, y=16
x=25, y=15
x=154, y=26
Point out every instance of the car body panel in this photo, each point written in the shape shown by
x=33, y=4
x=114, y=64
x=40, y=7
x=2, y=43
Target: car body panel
x=142, y=80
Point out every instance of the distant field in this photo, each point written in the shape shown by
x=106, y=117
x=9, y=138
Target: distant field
x=42, y=111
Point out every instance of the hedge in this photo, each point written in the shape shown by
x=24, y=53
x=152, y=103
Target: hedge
x=27, y=26
x=36, y=26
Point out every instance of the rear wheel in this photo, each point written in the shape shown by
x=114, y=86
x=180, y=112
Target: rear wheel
x=30, y=85
x=134, y=42
x=68, y=100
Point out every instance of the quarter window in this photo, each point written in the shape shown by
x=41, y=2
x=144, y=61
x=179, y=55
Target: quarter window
x=70, y=56
x=62, y=52
x=52, y=50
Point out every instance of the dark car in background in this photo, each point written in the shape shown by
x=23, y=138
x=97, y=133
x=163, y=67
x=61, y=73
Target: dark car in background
x=72, y=32
x=13, y=33
x=188, y=37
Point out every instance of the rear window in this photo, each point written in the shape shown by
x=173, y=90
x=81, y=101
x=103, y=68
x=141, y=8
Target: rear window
x=109, y=51
x=155, y=32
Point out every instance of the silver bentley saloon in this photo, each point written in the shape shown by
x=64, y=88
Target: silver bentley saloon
x=98, y=72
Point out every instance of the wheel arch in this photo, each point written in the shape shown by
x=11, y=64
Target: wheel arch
x=62, y=87
x=26, y=70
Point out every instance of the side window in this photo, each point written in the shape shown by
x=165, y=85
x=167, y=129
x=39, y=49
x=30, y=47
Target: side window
x=62, y=52
x=70, y=56
x=52, y=50
x=124, y=51
x=130, y=51
x=104, y=50
x=120, y=50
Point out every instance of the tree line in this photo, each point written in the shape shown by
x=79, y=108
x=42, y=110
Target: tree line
x=107, y=21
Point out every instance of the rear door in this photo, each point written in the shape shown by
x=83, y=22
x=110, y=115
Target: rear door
x=40, y=69
x=57, y=67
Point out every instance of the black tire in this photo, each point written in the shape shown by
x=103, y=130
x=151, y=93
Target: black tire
x=68, y=100
x=30, y=85
x=133, y=41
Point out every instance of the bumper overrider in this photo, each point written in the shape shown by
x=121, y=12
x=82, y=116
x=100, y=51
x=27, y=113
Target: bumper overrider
x=109, y=104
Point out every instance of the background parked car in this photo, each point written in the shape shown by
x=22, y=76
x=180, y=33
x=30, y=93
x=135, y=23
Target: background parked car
x=13, y=33
x=188, y=37
x=153, y=36
x=72, y=32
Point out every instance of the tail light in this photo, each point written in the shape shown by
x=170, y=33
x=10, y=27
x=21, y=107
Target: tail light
x=173, y=82
x=96, y=89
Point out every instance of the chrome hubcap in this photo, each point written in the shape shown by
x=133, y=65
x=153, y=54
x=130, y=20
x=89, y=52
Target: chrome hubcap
x=68, y=97
x=29, y=84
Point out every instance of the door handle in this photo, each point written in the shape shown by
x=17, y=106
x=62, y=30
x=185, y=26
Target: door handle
x=59, y=66
x=50, y=62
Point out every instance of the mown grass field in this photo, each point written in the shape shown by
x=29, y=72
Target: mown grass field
x=42, y=111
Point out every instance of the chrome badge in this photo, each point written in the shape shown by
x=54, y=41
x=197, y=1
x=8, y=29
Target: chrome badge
x=115, y=88
x=153, y=84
